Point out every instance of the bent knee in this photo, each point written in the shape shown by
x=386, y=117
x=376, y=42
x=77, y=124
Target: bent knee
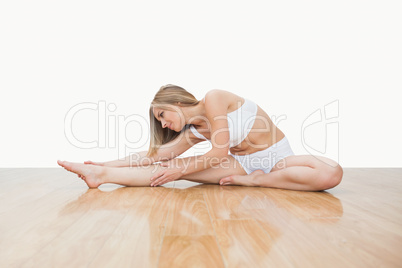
x=331, y=177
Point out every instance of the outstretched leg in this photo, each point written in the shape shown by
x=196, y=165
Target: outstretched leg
x=95, y=175
x=296, y=172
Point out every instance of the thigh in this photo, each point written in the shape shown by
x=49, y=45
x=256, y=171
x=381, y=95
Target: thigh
x=229, y=166
x=313, y=161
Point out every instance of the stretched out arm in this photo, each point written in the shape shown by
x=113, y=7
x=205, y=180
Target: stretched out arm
x=134, y=159
x=166, y=152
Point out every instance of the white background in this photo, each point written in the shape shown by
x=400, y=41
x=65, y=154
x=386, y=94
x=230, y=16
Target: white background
x=291, y=57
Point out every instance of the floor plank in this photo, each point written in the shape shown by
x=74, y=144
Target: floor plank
x=190, y=251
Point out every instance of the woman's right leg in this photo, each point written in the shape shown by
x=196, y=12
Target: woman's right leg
x=94, y=175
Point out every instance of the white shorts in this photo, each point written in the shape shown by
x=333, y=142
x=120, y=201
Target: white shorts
x=265, y=159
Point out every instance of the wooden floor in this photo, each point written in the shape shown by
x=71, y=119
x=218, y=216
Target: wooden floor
x=49, y=218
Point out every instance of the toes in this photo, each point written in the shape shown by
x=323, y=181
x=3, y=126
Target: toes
x=223, y=180
x=233, y=180
x=72, y=167
x=226, y=180
x=66, y=165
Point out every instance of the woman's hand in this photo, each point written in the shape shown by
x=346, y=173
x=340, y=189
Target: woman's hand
x=94, y=163
x=167, y=175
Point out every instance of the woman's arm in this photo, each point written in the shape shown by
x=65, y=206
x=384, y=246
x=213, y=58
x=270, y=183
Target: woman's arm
x=135, y=159
x=166, y=152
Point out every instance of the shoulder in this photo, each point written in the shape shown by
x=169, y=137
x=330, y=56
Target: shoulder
x=216, y=97
x=216, y=102
x=216, y=93
x=220, y=99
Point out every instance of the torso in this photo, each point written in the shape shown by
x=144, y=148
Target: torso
x=260, y=136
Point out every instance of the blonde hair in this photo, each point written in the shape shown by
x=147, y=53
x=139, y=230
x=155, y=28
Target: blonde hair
x=167, y=95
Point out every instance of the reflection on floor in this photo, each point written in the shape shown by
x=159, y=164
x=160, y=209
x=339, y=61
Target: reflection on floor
x=49, y=218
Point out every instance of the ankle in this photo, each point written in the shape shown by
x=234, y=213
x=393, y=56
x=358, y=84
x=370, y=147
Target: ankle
x=101, y=174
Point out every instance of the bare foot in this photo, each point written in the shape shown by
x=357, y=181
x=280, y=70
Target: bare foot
x=93, y=163
x=244, y=180
x=91, y=174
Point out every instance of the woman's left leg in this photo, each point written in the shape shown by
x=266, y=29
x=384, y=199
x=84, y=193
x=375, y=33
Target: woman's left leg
x=295, y=172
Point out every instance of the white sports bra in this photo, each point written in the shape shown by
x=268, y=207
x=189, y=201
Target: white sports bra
x=240, y=122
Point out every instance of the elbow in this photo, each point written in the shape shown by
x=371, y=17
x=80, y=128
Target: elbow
x=218, y=160
x=222, y=156
x=220, y=152
x=218, y=156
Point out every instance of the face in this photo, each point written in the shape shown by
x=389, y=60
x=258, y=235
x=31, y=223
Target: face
x=169, y=119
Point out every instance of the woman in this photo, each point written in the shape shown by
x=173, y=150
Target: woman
x=247, y=148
